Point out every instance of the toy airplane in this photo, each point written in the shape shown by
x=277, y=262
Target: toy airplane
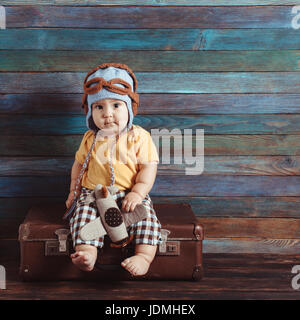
x=112, y=221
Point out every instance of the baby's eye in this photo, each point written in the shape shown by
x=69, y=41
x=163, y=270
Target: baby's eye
x=116, y=105
x=99, y=107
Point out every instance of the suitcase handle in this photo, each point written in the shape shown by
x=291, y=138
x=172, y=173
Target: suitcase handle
x=124, y=243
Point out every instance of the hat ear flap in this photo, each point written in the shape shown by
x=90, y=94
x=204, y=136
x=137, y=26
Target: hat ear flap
x=84, y=104
x=134, y=107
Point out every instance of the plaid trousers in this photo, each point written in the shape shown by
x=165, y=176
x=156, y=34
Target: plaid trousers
x=146, y=231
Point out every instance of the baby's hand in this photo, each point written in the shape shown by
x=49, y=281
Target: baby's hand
x=130, y=201
x=70, y=199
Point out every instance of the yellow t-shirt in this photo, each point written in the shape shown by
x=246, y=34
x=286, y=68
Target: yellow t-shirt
x=132, y=148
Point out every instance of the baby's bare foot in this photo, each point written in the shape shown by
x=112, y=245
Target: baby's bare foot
x=137, y=265
x=84, y=260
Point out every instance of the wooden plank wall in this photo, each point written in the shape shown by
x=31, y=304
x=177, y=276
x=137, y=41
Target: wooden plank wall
x=232, y=70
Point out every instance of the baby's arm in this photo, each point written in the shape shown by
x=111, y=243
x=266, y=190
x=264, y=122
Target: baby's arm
x=143, y=184
x=74, y=174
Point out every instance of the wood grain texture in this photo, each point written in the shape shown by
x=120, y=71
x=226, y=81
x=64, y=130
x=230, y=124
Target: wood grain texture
x=213, y=165
x=242, y=207
x=203, y=207
x=148, y=2
x=223, y=240
x=156, y=103
x=227, y=276
x=149, y=17
x=175, y=186
x=258, y=228
x=151, y=61
x=231, y=69
x=67, y=145
x=17, y=208
x=266, y=246
x=156, y=82
x=150, y=39
x=175, y=124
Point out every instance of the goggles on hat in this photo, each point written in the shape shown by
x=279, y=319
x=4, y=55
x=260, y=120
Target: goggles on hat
x=96, y=84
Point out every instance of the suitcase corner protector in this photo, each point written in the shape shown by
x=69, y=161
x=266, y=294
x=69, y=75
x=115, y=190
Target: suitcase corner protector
x=199, y=231
x=24, y=272
x=198, y=273
x=24, y=231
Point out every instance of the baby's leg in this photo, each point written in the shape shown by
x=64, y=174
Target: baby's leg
x=86, y=251
x=147, y=236
x=139, y=264
x=85, y=257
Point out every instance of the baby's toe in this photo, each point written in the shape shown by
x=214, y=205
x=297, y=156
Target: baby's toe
x=133, y=269
x=74, y=255
x=86, y=258
x=128, y=265
x=125, y=262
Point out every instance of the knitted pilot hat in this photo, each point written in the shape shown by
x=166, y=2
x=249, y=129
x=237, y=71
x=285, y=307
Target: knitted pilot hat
x=114, y=81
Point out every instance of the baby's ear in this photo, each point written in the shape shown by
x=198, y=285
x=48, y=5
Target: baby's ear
x=98, y=191
x=105, y=192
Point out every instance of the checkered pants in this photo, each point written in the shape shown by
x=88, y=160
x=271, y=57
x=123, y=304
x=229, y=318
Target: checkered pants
x=146, y=231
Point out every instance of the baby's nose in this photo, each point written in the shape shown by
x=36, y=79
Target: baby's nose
x=108, y=112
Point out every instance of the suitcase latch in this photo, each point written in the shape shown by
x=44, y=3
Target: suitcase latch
x=60, y=246
x=164, y=237
x=168, y=247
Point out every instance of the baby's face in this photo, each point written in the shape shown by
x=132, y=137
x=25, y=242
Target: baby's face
x=110, y=115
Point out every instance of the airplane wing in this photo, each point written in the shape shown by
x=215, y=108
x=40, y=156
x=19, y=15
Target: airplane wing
x=92, y=230
x=139, y=213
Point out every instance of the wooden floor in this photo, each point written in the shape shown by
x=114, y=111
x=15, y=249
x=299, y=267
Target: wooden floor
x=227, y=276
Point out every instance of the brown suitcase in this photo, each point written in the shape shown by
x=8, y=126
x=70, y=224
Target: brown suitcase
x=45, y=245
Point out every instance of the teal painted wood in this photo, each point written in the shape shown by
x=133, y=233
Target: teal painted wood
x=248, y=165
x=198, y=82
x=17, y=208
x=151, y=61
x=213, y=165
x=175, y=124
x=149, y=2
x=39, y=166
x=39, y=145
x=240, y=245
x=252, y=145
x=150, y=39
x=243, y=207
x=152, y=104
x=266, y=187
x=234, y=207
x=35, y=187
x=149, y=17
x=101, y=39
x=225, y=124
x=175, y=186
x=211, y=246
x=258, y=186
x=67, y=145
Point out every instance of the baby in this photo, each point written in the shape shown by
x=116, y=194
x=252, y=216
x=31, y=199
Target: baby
x=110, y=101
